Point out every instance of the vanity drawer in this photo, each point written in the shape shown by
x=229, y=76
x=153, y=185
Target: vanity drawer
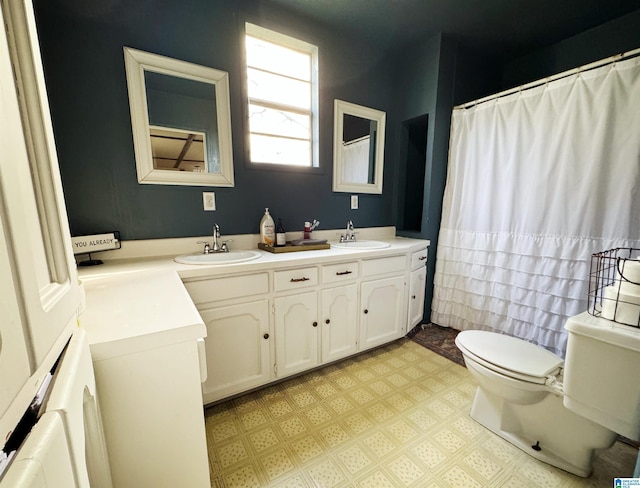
x=215, y=289
x=295, y=278
x=393, y=264
x=334, y=273
x=419, y=258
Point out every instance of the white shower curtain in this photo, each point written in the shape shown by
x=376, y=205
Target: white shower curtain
x=537, y=181
x=355, y=160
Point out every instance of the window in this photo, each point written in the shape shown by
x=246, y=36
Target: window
x=282, y=88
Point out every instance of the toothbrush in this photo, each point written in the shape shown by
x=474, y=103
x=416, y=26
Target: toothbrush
x=315, y=224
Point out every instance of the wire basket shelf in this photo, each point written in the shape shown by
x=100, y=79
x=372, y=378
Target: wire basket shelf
x=614, y=285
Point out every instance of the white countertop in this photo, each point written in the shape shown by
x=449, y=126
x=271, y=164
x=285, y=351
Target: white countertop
x=140, y=303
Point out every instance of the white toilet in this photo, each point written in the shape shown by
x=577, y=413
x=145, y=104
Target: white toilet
x=521, y=395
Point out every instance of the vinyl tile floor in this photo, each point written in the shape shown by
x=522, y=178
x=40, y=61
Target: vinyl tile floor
x=397, y=416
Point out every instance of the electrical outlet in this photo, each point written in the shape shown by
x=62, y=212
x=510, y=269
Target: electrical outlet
x=354, y=202
x=209, y=200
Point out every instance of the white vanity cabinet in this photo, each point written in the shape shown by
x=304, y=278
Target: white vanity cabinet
x=297, y=333
x=238, y=353
x=295, y=308
x=319, y=325
x=339, y=322
x=417, y=287
x=383, y=302
x=298, y=314
x=339, y=311
x=235, y=310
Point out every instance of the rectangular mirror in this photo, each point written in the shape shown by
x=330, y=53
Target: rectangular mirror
x=181, y=121
x=358, y=148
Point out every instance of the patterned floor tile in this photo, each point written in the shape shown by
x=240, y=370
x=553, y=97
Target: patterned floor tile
x=379, y=444
x=429, y=454
x=244, y=477
x=334, y=435
x=232, y=453
x=393, y=417
x=307, y=448
x=354, y=459
x=263, y=439
x=377, y=480
x=405, y=470
x=276, y=464
x=326, y=474
x=292, y=426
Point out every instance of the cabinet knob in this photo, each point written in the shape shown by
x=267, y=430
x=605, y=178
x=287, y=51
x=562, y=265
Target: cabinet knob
x=266, y=336
x=366, y=311
x=315, y=324
x=327, y=321
x=413, y=297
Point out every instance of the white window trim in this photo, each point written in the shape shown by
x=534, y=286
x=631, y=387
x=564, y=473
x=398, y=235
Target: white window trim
x=299, y=45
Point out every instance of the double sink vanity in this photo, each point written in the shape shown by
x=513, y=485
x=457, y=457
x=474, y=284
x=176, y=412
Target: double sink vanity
x=263, y=317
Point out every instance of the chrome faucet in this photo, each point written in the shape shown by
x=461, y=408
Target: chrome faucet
x=216, y=236
x=350, y=233
x=222, y=247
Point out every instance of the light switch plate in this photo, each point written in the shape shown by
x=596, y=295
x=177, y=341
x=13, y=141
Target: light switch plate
x=209, y=200
x=354, y=202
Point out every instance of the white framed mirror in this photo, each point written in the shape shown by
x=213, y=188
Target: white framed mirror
x=181, y=121
x=358, y=148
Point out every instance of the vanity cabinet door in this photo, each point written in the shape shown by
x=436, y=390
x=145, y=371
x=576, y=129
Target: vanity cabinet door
x=339, y=322
x=238, y=349
x=382, y=311
x=417, y=286
x=297, y=332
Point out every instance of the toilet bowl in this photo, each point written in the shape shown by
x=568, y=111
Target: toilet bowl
x=520, y=398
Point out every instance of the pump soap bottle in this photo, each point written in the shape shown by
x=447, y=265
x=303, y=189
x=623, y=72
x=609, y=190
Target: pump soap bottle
x=267, y=229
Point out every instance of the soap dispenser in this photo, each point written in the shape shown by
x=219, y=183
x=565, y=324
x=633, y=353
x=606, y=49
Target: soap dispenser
x=267, y=229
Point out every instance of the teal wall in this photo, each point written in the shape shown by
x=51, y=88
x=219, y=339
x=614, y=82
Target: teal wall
x=84, y=70
x=614, y=37
x=82, y=49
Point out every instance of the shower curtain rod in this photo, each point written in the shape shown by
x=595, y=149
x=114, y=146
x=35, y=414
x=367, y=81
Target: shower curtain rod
x=564, y=74
x=354, y=141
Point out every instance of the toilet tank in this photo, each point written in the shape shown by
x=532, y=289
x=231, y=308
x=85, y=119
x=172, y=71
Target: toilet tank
x=601, y=373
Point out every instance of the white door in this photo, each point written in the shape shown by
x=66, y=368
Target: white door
x=38, y=276
x=238, y=346
x=383, y=311
x=296, y=325
x=14, y=359
x=339, y=322
x=34, y=208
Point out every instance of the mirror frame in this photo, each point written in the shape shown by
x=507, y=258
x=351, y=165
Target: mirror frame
x=136, y=63
x=340, y=108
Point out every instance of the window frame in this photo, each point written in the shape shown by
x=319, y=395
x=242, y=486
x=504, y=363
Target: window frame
x=289, y=42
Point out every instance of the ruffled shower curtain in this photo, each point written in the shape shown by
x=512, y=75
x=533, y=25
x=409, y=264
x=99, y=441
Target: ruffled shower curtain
x=537, y=181
x=355, y=160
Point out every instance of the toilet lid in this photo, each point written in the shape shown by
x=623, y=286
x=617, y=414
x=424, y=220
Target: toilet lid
x=510, y=353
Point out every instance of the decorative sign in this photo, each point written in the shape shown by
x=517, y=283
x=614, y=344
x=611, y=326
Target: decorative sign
x=95, y=243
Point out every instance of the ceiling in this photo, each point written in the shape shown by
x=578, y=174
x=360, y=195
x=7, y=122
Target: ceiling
x=496, y=27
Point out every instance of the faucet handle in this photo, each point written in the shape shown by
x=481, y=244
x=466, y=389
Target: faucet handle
x=224, y=247
x=207, y=247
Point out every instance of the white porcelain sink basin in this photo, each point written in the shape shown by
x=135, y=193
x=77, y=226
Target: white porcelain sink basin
x=230, y=257
x=361, y=245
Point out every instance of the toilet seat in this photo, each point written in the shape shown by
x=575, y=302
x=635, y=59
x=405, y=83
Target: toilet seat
x=509, y=356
